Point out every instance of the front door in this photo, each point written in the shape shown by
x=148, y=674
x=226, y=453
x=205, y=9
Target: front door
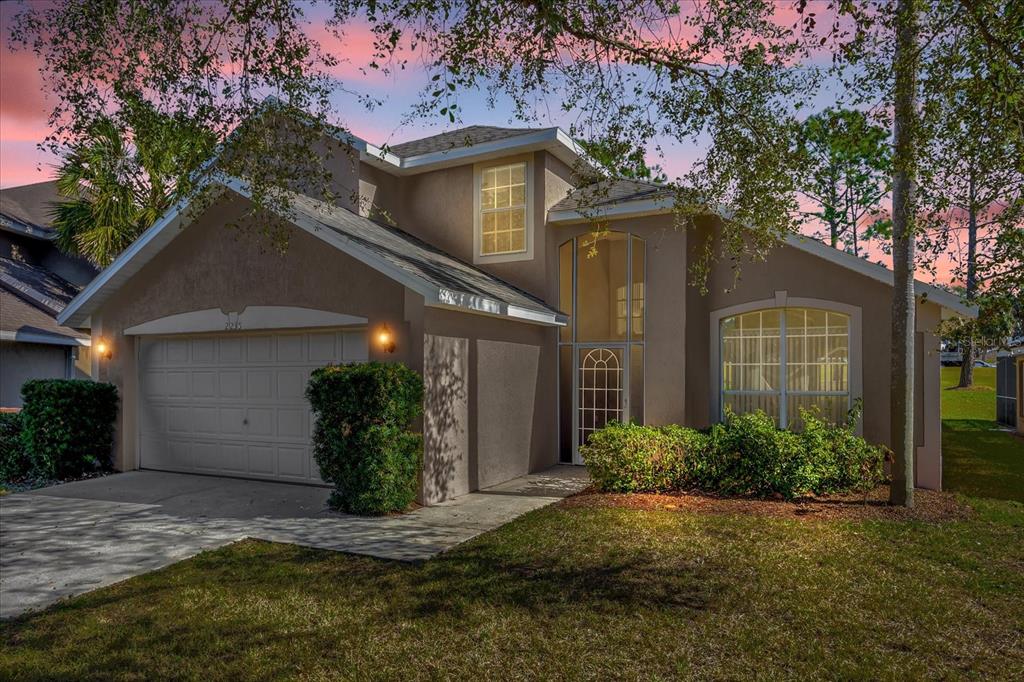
x=602, y=390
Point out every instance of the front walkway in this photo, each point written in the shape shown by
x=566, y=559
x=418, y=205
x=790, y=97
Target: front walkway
x=72, y=538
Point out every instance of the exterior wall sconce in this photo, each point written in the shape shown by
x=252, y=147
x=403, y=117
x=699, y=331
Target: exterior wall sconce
x=386, y=339
x=104, y=350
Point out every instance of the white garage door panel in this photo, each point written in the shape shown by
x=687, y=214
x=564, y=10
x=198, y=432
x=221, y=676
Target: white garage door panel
x=235, y=405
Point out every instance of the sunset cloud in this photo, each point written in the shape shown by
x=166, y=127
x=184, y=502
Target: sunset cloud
x=24, y=106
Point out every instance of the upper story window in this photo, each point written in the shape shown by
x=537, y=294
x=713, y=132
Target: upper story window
x=503, y=215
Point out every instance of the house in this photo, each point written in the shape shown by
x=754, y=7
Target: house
x=530, y=329
x=36, y=282
x=1010, y=386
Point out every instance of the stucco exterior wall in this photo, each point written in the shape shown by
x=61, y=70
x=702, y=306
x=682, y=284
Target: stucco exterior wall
x=437, y=206
x=803, y=275
x=490, y=402
x=20, y=362
x=213, y=265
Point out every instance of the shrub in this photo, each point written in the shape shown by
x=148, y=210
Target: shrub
x=13, y=462
x=745, y=455
x=68, y=426
x=848, y=462
x=626, y=458
x=361, y=440
x=748, y=455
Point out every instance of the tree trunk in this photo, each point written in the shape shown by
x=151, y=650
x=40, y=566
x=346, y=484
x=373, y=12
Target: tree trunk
x=967, y=356
x=833, y=222
x=851, y=213
x=904, y=208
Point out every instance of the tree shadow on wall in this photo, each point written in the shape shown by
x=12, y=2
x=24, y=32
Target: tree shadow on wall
x=446, y=418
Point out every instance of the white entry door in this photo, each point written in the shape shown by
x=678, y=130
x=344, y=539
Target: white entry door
x=234, y=405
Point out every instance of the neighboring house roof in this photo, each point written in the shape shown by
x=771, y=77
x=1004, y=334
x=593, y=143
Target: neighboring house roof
x=37, y=285
x=26, y=209
x=26, y=323
x=462, y=137
x=30, y=299
x=618, y=199
x=443, y=280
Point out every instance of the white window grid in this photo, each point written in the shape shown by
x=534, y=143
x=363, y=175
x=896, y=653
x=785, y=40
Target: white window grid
x=836, y=372
x=600, y=392
x=504, y=199
x=637, y=305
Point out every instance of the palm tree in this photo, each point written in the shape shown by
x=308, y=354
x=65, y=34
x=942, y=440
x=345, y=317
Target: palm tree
x=116, y=186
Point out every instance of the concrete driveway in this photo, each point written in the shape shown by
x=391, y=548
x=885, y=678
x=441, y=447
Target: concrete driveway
x=72, y=538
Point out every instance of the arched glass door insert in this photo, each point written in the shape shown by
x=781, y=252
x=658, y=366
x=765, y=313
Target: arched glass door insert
x=601, y=351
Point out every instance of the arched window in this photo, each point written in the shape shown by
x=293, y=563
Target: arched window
x=782, y=359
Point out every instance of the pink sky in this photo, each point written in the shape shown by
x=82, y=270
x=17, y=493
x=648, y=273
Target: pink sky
x=24, y=108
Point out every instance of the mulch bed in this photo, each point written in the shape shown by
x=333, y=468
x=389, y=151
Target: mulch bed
x=929, y=505
x=21, y=485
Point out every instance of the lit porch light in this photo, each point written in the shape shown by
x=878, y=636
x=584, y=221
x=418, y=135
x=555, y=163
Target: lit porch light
x=386, y=339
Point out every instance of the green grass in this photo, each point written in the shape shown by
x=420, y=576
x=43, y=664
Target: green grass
x=569, y=593
x=978, y=458
x=578, y=592
x=977, y=402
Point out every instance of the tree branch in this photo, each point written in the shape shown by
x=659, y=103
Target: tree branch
x=991, y=40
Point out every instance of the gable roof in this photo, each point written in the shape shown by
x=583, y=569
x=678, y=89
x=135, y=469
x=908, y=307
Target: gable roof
x=461, y=137
x=607, y=192
x=26, y=209
x=443, y=281
x=621, y=198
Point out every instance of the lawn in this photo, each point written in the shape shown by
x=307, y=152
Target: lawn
x=572, y=592
x=979, y=459
x=591, y=589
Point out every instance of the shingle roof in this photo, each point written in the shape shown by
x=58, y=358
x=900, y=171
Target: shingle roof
x=414, y=256
x=463, y=137
x=606, y=192
x=19, y=316
x=30, y=204
x=36, y=285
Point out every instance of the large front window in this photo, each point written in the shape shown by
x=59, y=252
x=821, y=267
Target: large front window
x=784, y=359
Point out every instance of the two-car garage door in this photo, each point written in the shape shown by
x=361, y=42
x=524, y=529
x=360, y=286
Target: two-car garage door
x=234, y=405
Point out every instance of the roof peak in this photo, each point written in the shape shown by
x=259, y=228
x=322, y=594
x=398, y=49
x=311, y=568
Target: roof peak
x=465, y=136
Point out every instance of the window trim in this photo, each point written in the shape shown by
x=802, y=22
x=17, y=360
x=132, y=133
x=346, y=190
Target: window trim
x=781, y=301
x=480, y=258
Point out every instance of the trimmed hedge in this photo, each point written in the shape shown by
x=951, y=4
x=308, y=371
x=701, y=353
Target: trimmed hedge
x=361, y=440
x=68, y=426
x=624, y=458
x=745, y=455
x=13, y=462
